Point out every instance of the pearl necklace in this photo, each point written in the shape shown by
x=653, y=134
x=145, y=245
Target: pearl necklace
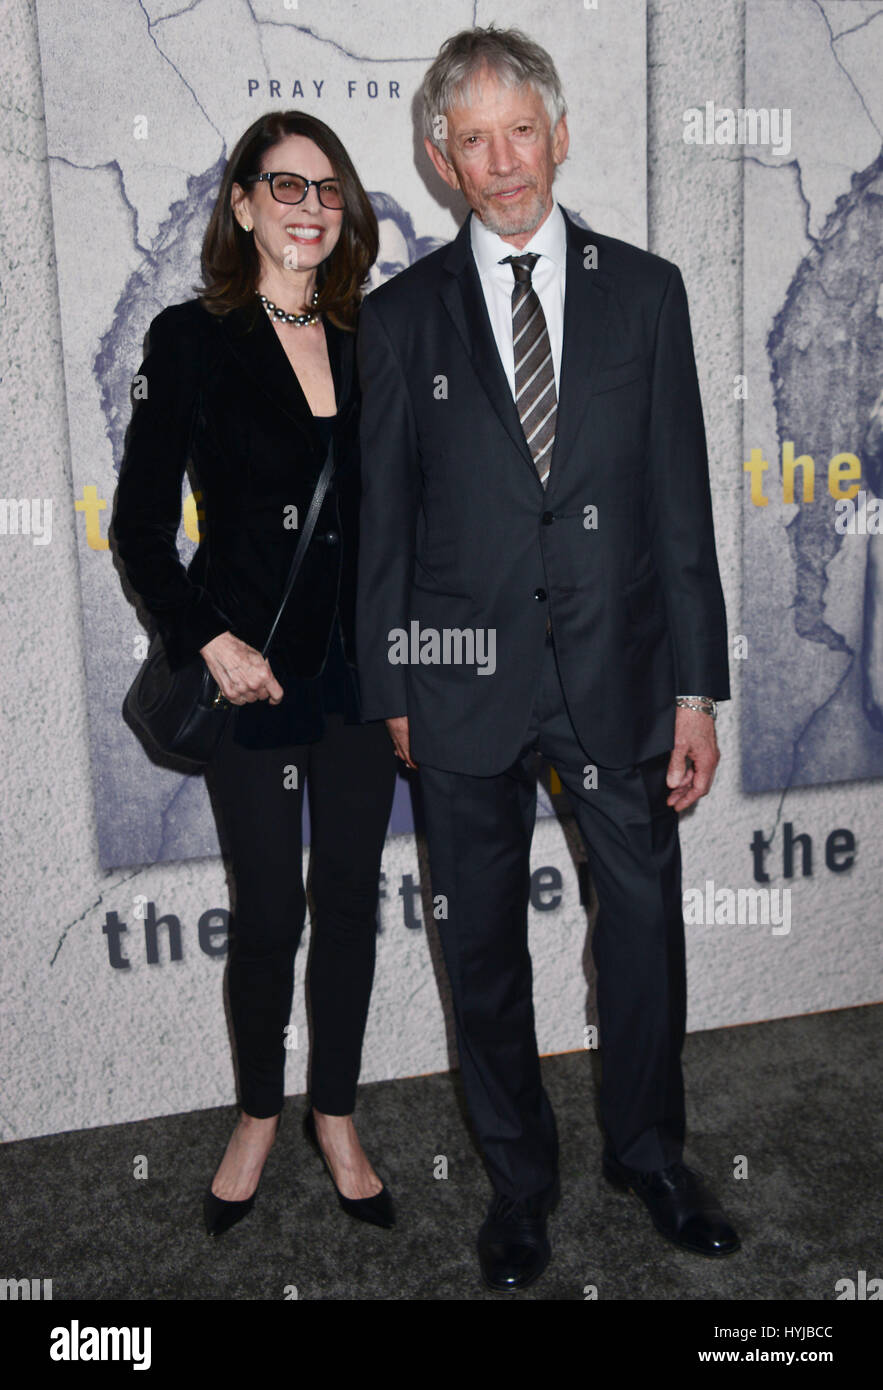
x=299, y=320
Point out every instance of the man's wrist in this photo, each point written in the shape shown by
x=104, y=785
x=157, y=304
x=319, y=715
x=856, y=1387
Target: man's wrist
x=703, y=703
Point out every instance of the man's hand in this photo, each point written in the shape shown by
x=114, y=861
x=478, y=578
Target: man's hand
x=694, y=739
x=241, y=673
x=401, y=738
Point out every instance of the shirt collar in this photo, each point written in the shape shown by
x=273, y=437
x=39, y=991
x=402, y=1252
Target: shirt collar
x=549, y=240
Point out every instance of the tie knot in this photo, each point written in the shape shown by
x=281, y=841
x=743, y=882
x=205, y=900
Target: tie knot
x=521, y=266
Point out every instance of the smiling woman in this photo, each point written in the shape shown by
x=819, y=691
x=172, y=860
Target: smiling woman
x=251, y=200
x=253, y=387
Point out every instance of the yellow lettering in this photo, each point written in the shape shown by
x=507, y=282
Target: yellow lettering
x=789, y=463
x=843, y=466
x=192, y=515
x=91, y=505
x=757, y=466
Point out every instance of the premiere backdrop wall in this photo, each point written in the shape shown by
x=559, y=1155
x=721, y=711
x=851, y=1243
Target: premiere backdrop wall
x=115, y=902
x=140, y=121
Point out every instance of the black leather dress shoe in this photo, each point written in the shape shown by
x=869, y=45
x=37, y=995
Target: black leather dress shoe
x=513, y=1248
x=682, y=1207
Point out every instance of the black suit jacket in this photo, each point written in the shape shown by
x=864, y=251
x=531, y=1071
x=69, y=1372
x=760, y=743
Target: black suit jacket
x=223, y=399
x=457, y=531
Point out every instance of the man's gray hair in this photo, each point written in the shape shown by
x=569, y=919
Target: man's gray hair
x=508, y=53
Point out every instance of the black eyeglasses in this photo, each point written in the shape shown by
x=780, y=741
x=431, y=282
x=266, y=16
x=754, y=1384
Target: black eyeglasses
x=293, y=188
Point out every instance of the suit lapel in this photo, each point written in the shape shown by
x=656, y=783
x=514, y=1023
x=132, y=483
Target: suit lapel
x=252, y=339
x=464, y=299
x=586, y=308
x=341, y=355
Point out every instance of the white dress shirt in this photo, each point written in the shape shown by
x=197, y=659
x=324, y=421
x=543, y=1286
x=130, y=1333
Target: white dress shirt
x=498, y=281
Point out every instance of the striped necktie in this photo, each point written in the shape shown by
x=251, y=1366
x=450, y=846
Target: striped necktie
x=535, y=396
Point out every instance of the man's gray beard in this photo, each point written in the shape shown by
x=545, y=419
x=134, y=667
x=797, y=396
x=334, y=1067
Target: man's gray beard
x=496, y=223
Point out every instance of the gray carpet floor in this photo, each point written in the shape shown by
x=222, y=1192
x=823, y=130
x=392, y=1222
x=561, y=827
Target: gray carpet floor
x=798, y=1098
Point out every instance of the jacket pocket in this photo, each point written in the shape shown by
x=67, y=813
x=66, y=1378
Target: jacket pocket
x=609, y=378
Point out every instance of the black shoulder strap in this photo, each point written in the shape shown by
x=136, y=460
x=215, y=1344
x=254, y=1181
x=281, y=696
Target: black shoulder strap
x=304, y=538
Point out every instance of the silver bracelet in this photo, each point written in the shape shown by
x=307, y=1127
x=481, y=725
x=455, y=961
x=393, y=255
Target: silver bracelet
x=700, y=702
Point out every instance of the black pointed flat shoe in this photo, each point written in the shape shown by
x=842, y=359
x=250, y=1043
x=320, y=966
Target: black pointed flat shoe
x=377, y=1210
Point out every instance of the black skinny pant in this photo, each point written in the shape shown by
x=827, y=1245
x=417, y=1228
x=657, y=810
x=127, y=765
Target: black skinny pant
x=350, y=774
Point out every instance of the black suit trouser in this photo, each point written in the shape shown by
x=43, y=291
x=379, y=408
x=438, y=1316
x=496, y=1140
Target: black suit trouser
x=479, y=832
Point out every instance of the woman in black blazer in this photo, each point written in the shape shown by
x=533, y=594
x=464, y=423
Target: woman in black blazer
x=247, y=384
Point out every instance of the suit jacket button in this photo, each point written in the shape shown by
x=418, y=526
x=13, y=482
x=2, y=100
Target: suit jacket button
x=548, y=518
x=540, y=595
x=330, y=538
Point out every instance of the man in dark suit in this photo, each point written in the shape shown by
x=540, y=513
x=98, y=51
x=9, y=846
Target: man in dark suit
x=538, y=572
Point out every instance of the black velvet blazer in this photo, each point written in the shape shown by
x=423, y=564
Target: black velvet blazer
x=223, y=402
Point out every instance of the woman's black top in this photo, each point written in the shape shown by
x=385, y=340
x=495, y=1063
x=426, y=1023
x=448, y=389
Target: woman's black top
x=298, y=718
x=225, y=405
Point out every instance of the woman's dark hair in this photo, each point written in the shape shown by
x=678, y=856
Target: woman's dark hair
x=230, y=264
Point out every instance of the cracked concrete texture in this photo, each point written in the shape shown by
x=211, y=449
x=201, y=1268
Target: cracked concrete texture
x=146, y=254
x=834, y=937
x=83, y=1045
x=813, y=341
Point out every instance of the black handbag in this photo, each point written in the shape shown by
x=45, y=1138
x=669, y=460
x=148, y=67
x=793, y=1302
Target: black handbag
x=182, y=713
